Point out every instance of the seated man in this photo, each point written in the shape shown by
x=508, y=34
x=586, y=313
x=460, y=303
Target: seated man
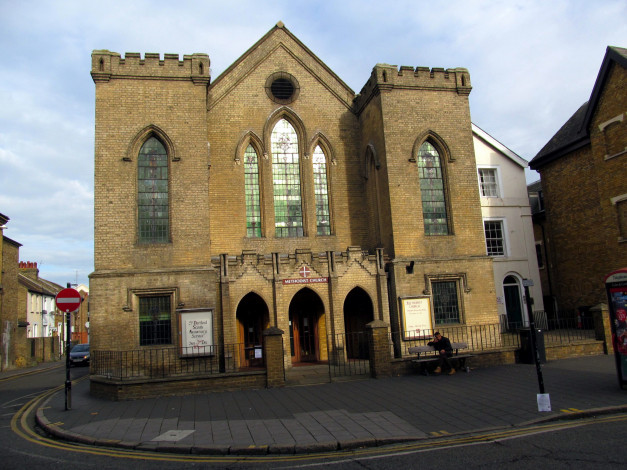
x=443, y=346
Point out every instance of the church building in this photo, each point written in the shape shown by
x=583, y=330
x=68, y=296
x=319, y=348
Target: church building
x=276, y=196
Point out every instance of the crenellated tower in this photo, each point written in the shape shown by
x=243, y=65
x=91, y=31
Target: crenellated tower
x=106, y=64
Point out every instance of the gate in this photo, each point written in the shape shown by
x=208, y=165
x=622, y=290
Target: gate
x=348, y=355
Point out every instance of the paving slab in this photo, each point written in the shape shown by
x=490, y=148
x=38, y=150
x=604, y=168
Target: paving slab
x=338, y=415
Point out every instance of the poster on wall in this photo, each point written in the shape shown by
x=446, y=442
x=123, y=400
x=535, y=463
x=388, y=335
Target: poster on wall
x=196, y=332
x=416, y=317
x=616, y=286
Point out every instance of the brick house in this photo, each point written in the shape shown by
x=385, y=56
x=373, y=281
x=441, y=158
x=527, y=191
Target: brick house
x=275, y=196
x=581, y=226
x=12, y=320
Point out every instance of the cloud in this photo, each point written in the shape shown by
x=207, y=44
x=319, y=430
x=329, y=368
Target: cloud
x=532, y=64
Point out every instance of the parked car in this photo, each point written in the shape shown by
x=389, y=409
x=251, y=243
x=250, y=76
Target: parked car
x=79, y=355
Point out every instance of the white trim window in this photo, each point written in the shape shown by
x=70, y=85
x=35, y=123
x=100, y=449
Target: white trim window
x=489, y=182
x=495, y=237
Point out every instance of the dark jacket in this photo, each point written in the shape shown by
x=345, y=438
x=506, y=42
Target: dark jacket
x=443, y=343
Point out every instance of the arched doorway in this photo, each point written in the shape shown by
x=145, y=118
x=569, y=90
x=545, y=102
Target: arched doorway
x=252, y=318
x=306, y=314
x=513, y=301
x=358, y=312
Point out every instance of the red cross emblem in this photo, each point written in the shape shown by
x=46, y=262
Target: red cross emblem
x=304, y=271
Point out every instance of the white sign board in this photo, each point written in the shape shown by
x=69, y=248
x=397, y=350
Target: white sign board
x=196, y=331
x=416, y=316
x=544, y=402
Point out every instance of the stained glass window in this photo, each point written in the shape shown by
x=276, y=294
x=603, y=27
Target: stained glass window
x=152, y=192
x=432, y=190
x=251, y=188
x=321, y=191
x=288, y=213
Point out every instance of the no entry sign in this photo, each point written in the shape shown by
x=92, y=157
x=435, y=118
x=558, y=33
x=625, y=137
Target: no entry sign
x=68, y=300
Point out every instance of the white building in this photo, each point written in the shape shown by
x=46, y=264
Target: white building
x=508, y=227
x=39, y=294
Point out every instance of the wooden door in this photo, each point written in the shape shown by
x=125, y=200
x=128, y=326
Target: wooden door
x=304, y=337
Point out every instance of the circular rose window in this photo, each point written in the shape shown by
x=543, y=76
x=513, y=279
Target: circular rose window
x=281, y=87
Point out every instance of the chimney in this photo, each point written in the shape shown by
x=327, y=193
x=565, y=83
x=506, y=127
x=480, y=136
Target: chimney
x=29, y=269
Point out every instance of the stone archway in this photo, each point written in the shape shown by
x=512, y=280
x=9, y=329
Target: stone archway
x=358, y=312
x=307, y=329
x=252, y=318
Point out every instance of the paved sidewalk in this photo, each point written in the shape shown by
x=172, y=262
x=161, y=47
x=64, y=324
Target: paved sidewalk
x=339, y=415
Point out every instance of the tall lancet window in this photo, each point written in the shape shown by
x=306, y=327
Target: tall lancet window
x=152, y=192
x=251, y=188
x=288, y=211
x=321, y=191
x=432, y=190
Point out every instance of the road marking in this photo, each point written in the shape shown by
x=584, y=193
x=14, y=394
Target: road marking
x=21, y=427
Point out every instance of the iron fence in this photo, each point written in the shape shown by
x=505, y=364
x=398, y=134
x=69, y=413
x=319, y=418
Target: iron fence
x=496, y=336
x=153, y=363
x=348, y=354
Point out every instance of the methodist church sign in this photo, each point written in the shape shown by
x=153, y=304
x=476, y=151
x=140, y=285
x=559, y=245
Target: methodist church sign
x=305, y=272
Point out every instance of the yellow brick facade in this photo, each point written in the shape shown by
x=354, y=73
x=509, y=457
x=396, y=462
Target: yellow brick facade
x=325, y=284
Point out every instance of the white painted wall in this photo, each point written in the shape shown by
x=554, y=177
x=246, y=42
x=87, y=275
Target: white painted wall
x=512, y=207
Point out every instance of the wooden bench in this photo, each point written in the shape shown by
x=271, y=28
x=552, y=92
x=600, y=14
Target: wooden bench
x=426, y=355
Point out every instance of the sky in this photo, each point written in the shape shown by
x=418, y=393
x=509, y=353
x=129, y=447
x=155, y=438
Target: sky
x=532, y=64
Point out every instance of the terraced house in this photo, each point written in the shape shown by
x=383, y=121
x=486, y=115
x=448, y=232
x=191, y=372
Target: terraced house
x=276, y=199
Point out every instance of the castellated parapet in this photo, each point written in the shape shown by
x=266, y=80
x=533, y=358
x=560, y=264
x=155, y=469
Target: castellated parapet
x=385, y=77
x=106, y=65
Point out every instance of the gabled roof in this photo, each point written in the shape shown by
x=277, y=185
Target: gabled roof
x=574, y=133
x=498, y=146
x=278, y=33
x=570, y=137
x=39, y=285
x=10, y=241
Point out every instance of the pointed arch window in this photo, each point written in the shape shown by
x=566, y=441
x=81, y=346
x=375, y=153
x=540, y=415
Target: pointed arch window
x=251, y=189
x=321, y=192
x=288, y=212
x=432, y=190
x=152, y=192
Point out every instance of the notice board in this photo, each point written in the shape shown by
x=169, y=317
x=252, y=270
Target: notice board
x=196, y=332
x=416, y=317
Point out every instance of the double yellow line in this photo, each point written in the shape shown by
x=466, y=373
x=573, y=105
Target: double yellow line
x=19, y=424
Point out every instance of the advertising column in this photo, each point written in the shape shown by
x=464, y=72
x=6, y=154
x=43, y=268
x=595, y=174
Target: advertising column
x=616, y=286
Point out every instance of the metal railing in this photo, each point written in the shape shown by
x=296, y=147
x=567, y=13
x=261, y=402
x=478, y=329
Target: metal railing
x=348, y=354
x=496, y=336
x=172, y=361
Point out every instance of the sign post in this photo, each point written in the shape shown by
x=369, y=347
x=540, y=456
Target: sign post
x=544, y=400
x=68, y=301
